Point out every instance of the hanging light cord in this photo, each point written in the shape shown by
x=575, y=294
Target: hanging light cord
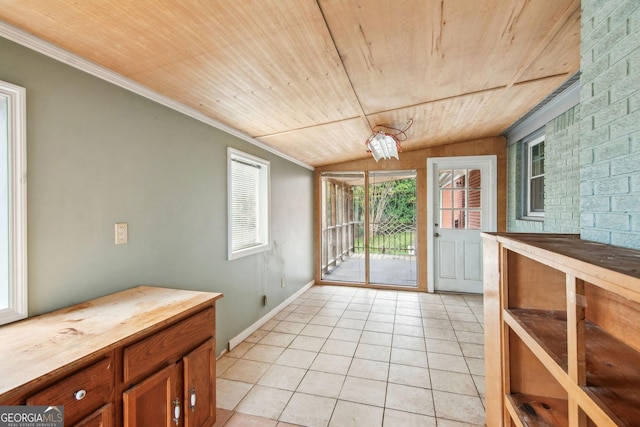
x=398, y=136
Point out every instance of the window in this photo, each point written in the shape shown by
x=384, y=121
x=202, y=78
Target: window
x=13, y=193
x=534, y=202
x=248, y=204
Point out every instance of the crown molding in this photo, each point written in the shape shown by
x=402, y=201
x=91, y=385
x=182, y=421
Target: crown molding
x=32, y=42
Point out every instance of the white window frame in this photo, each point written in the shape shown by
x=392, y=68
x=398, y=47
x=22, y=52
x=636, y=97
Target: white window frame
x=263, y=210
x=14, y=204
x=529, y=144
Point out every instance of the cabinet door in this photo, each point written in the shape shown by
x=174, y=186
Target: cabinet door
x=103, y=417
x=199, y=386
x=153, y=402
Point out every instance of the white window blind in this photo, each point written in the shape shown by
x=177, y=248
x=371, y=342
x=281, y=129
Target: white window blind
x=248, y=204
x=244, y=208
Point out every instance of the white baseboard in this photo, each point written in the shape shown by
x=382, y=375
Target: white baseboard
x=233, y=342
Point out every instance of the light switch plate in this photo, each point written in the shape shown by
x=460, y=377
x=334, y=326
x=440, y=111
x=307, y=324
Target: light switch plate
x=121, y=233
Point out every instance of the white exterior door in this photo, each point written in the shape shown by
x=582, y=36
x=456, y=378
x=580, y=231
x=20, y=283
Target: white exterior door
x=462, y=202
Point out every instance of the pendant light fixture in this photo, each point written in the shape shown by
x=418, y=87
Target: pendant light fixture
x=384, y=144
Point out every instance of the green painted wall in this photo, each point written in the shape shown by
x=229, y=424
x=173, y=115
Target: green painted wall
x=98, y=154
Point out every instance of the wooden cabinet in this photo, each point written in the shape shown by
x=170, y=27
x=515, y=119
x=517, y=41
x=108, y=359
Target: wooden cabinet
x=199, y=386
x=103, y=417
x=141, y=357
x=182, y=394
x=80, y=393
x=154, y=401
x=562, y=331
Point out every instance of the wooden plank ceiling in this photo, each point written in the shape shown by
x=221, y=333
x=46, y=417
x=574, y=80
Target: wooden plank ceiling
x=311, y=78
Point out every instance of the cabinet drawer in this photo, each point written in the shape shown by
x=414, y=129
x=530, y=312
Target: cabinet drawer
x=81, y=393
x=144, y=357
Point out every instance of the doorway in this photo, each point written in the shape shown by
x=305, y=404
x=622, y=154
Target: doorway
x=368, y=228
x=392, y=228
x=462, y=203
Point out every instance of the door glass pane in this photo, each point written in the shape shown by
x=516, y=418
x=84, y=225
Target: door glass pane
x=444, y=178
x=459, y=219
x=392, y=228
x=446, y=218
x=474, y=220
x=446, y=198
x=446, y=184
x=460, y=178
x=459, y=197
x=460, y=191
x=475, y=180
x=473, y=199
x=343, y=247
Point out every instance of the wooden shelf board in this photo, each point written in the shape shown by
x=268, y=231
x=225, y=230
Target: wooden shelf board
x=538, y=410
x=622, y=260
x=613, y=374
x=548, y=328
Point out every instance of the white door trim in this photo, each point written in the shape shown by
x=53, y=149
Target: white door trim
x=492, y=178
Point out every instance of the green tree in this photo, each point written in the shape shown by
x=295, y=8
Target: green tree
x=393, y=201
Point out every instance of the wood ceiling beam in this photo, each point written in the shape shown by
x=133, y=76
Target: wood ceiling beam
x=344, y=69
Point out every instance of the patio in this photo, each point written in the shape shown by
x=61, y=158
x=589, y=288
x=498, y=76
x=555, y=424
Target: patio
x=398, y=270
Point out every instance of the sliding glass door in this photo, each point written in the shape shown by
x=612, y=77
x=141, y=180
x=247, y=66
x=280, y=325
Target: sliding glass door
x=343, y=249
x=392, y=228
x=368, y=227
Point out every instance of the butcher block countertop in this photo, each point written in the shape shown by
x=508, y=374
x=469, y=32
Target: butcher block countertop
x=37, y=348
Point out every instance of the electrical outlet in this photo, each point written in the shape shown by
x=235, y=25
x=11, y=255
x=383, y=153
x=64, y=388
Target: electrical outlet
x=121, y=233
x=282, y=282
x=264, y=300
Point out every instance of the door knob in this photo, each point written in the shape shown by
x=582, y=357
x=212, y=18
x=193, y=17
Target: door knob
x=436, y=234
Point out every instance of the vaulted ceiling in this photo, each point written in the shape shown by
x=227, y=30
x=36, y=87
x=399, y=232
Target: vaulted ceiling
x=311, y=78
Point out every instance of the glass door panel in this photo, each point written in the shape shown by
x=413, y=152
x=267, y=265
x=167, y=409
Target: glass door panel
x=343, y=245
x=460, y=199
x=392, y=228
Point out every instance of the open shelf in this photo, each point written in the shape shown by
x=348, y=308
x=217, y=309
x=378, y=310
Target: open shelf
x=537, y=410
x=613, y=368
x=562, y=332
x=613, y=375
x=534, y=285
x=534, y=392
x=548, y=328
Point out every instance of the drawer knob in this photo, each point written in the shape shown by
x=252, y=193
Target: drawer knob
x=192, y=399
x=80, y=394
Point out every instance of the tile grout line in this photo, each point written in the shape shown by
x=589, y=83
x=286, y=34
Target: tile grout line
x=371, y=303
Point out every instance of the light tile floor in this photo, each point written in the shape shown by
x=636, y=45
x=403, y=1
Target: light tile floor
x=342, y=356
